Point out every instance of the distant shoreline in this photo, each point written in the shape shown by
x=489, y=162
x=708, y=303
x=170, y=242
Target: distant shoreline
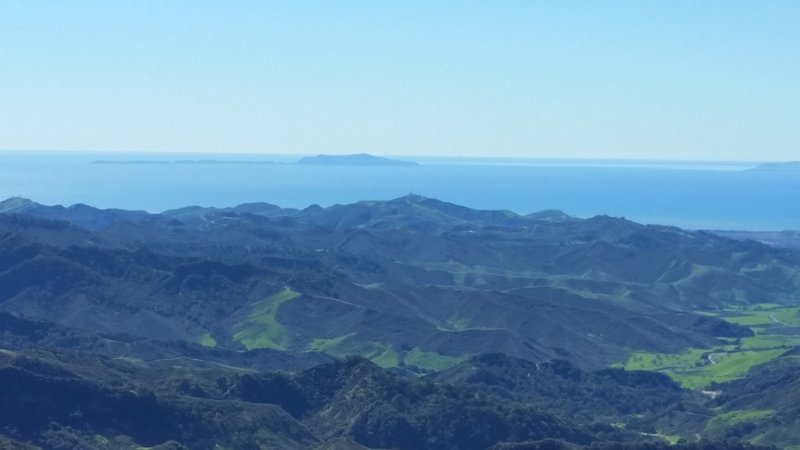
x=362, y=159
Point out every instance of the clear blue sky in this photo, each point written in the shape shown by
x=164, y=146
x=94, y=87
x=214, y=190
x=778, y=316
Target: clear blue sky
x=599, y=79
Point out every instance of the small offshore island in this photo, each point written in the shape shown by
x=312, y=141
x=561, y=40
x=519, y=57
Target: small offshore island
x=790, y=166
x=360, y=159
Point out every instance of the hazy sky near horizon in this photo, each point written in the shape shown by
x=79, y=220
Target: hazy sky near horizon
x=712, y=80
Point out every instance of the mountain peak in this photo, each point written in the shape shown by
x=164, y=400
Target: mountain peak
x=551, y=215
x=12, y=204
x=410, y=198
x=82, y=207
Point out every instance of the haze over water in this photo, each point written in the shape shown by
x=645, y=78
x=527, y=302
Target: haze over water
x=686, y=194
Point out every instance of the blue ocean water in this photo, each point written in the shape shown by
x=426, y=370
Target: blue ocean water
x=687, y=194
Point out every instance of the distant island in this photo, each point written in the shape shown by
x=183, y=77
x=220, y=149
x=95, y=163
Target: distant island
x=182, y=161
x=361, y=159
x=134, y=161
x=220, y=161
x=791, y=166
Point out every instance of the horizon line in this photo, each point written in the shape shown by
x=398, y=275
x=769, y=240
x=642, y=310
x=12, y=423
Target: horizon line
x=399, y=155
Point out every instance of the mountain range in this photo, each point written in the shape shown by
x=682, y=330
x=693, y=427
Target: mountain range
x=409, y=323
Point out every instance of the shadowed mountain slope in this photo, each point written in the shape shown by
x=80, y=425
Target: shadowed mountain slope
x=412, y=282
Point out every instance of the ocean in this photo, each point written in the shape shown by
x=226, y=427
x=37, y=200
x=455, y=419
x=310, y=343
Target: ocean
x=694, y=195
